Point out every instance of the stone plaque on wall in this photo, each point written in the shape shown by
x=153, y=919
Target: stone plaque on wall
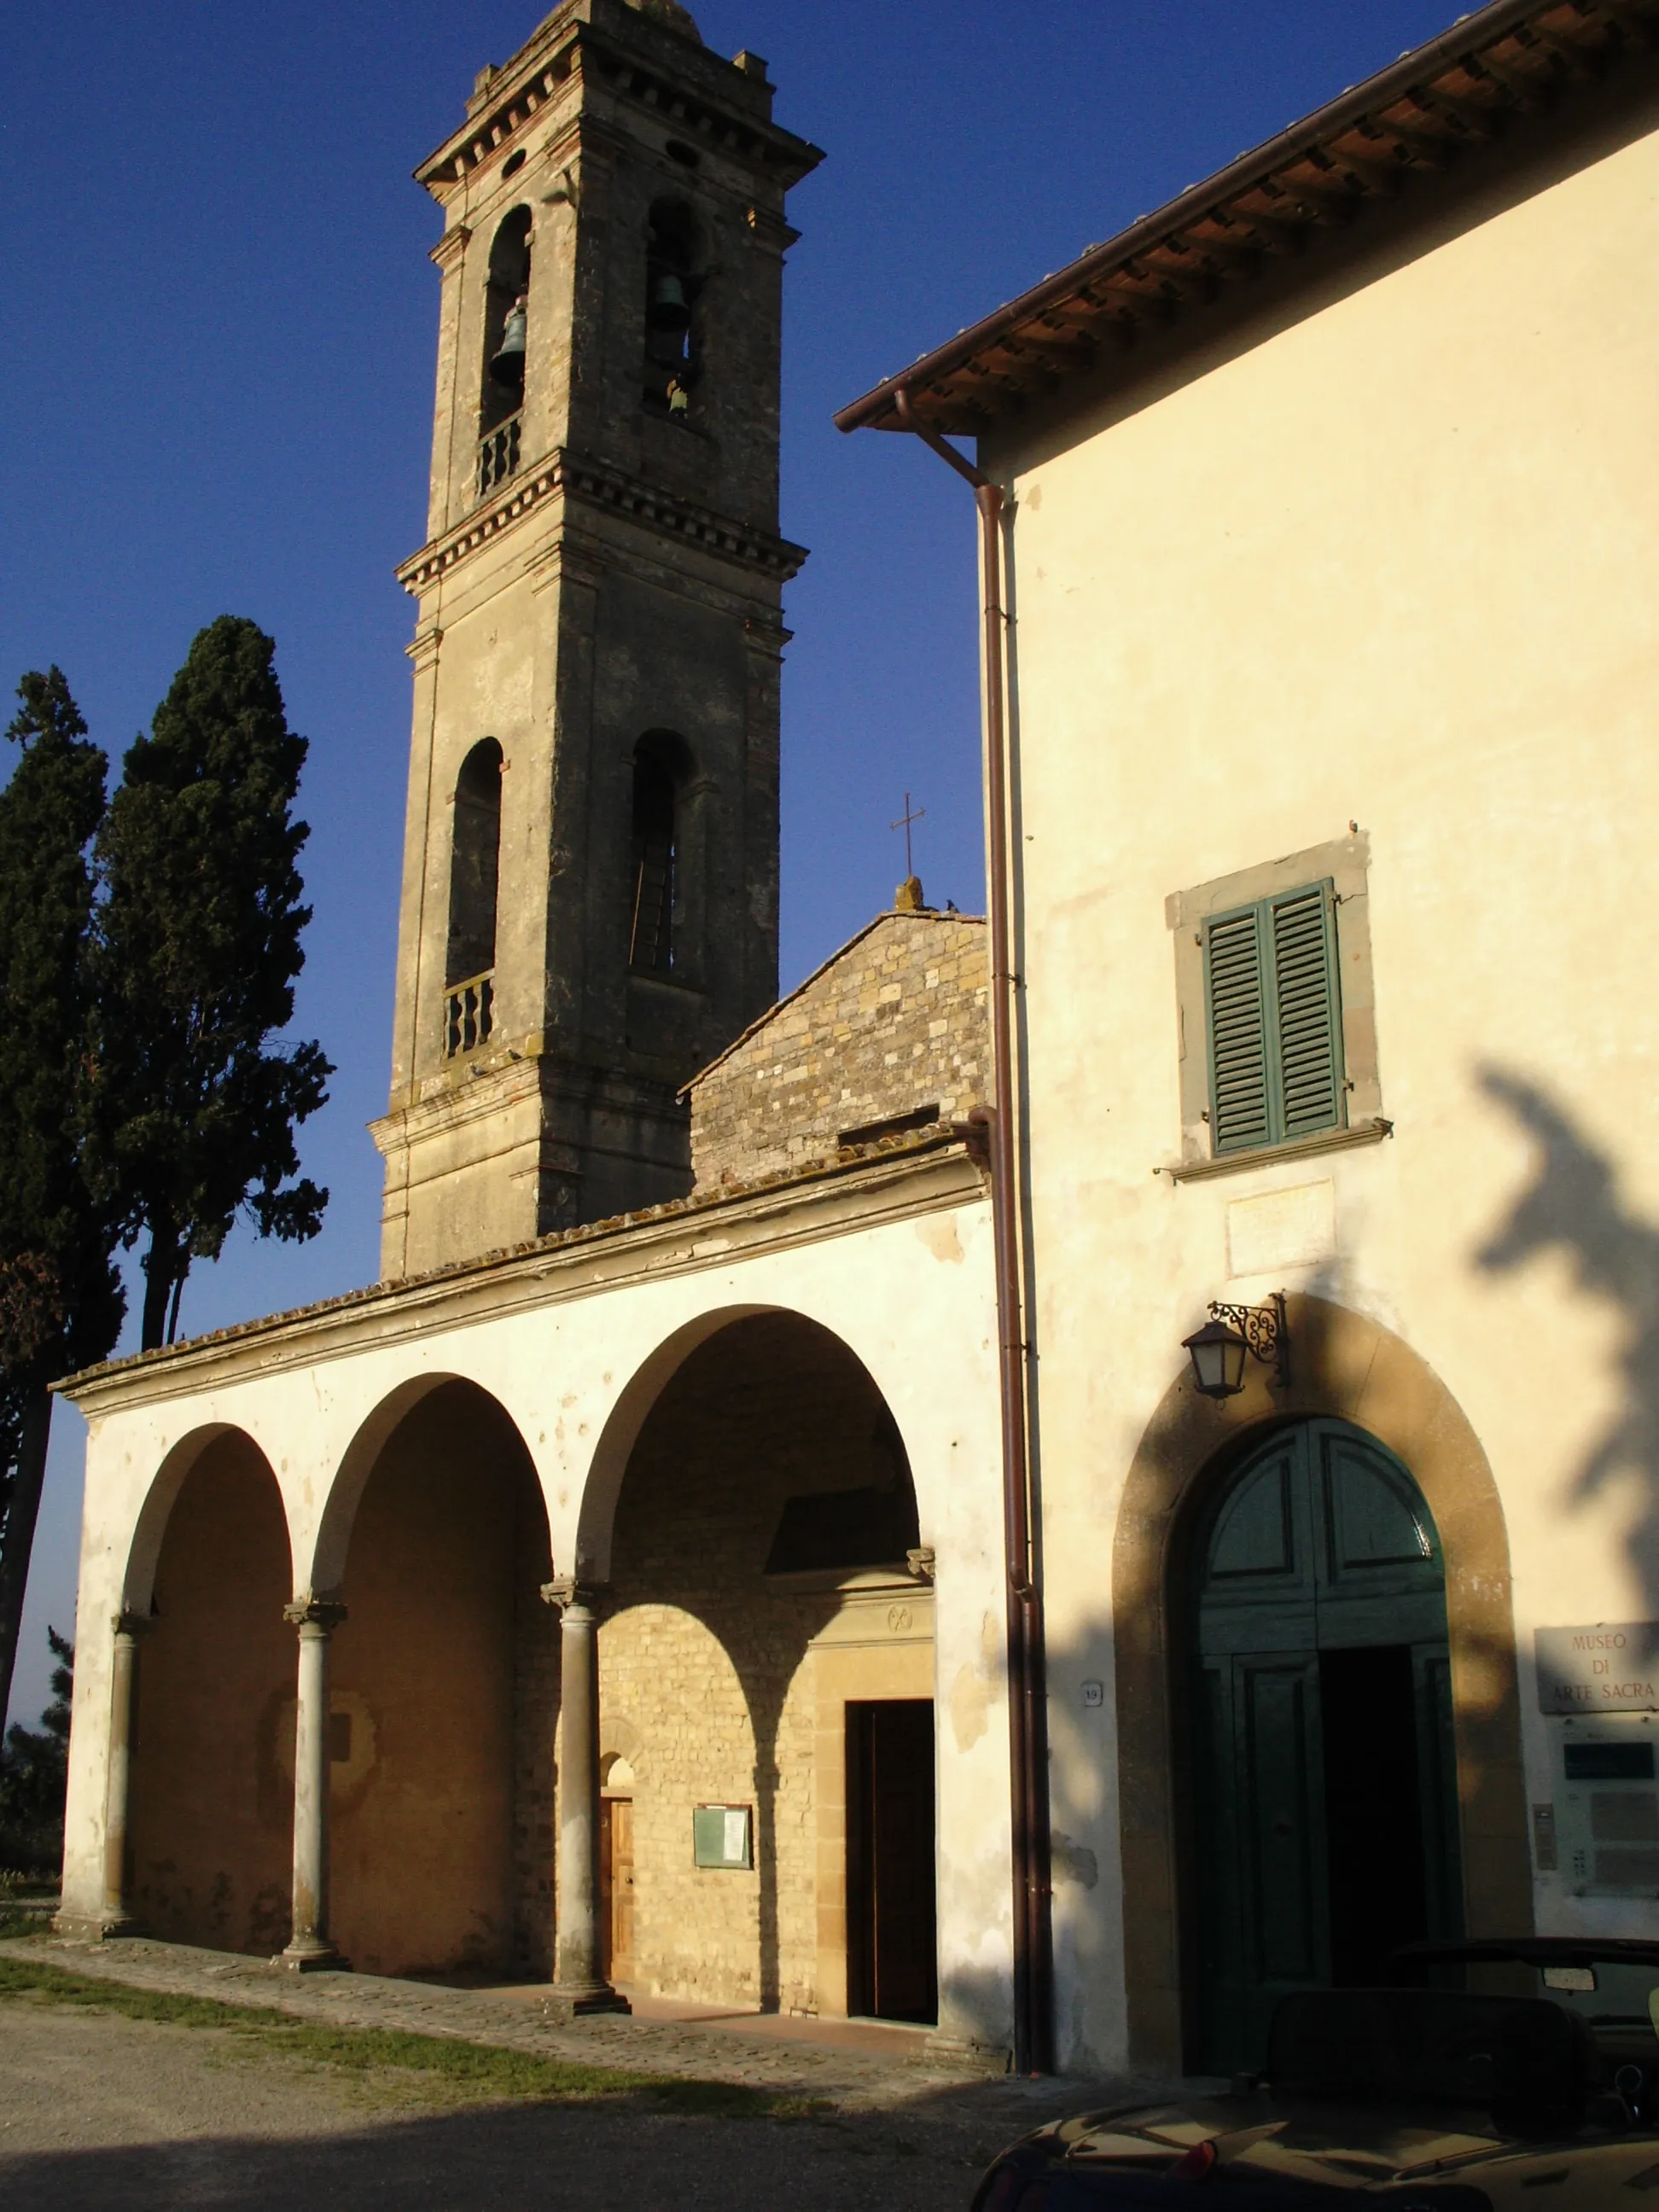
x=1610, y=1668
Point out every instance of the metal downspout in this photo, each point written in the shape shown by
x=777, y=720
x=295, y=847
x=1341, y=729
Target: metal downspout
x=1027, y=1716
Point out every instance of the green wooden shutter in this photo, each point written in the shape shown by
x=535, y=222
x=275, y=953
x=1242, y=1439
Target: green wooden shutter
x=1275, y=1020
x=1308, y=1016
x=1240, y=1114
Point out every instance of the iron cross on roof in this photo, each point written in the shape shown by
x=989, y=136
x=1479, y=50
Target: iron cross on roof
x=903, y=823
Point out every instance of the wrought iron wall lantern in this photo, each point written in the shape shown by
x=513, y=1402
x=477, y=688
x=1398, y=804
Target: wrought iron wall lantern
x=1218, y=1350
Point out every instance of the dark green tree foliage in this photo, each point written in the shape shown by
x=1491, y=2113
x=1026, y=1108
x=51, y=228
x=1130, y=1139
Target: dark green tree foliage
x=60, y=1299
x=198, y=947
x=35, y=1775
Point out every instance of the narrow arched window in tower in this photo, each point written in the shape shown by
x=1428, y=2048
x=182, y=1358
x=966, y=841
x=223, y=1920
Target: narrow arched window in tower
x=657, y=779
x=673, y=287
x=474, y=873
x=506, y=308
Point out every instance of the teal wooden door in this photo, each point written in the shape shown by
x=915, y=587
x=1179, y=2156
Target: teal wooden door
x=1324, y=1810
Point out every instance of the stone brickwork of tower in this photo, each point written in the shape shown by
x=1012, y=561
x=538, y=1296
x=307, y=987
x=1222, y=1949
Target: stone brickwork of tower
x=589, y=906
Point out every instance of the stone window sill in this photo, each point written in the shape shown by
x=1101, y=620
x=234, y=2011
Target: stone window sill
x=1328, y=1140
x=654, y=979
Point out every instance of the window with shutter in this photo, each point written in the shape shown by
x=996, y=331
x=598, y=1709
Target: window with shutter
x=1274, y=1018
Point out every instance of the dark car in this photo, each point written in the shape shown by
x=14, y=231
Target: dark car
x=1446, y=2100
x=1611, y=1982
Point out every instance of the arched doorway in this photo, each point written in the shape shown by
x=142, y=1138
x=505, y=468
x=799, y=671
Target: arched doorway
x=444, y=1694
x=210, y=1812
x=766, y=1687
x=1323, y=1803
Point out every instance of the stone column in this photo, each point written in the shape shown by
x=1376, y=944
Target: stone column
x=309, y=1947
x=116, y=1917
x=579, y=1979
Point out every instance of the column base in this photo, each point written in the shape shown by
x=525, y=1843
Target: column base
x=566, y=2003
x=986, y=2059
x=310, y=1960
x=95, y=1927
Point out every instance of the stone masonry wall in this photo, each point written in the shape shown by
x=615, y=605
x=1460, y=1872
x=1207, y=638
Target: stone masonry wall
x=706, y=1671
x=896, y=1022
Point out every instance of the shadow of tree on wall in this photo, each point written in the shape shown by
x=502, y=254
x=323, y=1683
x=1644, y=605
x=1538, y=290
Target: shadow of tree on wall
x=1574, y=1206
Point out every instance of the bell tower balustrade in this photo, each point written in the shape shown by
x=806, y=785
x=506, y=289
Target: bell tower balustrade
x=469, y=1015
x=498, y=455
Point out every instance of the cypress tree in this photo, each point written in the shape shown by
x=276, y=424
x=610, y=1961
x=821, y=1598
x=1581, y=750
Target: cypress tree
x=197, y=949
x=61, y=1302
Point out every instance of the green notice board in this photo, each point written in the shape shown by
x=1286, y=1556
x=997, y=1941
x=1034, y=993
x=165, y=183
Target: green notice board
x=723, y=1835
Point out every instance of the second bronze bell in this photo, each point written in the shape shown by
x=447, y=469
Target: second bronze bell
x=507, y=367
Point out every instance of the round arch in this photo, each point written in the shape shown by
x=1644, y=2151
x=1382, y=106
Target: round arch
x=434, y=1539
x=208, y=1821
x=1352, y=1369
x=144, y=1551
x=596, y=1525
x=357, y=1463
x=596, y=1522
x=749, y=1510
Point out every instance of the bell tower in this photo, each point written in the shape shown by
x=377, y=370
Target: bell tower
x=589, y=904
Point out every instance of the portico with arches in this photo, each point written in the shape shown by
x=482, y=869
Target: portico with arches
x=400, y=1581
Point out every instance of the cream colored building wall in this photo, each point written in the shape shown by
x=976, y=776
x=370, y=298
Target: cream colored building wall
x=1386, y=556
x=576, y=1345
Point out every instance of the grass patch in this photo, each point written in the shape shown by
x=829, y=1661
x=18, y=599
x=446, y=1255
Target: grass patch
x=477, y=2071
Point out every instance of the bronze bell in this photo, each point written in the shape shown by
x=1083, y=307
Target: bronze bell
x=507, y=367
x=668, y=309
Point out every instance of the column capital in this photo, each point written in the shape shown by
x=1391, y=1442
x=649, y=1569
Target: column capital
x=314, y=1612
x=131, y=1624
x=566, y=1591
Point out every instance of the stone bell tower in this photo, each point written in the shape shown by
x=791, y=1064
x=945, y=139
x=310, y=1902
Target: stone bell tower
x=590, y=858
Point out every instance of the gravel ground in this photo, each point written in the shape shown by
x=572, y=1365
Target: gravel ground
x=96, y=2110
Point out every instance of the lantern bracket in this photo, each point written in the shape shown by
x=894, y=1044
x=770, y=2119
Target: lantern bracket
x=1265, y=1330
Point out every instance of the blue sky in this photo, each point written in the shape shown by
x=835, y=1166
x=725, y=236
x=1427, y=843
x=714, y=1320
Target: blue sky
x=214, y=384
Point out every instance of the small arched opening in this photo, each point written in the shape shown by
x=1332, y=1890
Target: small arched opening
x=506, y=306
x=210, y=1810
x=766, y=1685
x=662, y=771
x=474, y=895
x=444, y=1693
x=674, y=282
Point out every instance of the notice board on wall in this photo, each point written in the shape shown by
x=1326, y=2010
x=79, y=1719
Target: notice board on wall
x=723, y=1835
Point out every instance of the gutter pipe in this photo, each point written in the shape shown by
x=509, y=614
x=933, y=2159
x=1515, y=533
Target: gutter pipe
x=1027, y=1716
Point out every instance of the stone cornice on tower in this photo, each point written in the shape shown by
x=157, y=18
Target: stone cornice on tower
x=564, y=475
x=730, y=110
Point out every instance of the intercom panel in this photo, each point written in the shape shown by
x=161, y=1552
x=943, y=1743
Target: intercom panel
x=1607, y=1801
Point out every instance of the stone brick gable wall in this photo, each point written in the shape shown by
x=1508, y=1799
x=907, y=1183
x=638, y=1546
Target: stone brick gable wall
x=897, y=1022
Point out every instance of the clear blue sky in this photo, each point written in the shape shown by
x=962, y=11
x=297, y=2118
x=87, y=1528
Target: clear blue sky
x=214, y=384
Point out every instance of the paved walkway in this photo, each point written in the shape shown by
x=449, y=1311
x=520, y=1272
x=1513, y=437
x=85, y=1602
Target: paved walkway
x=99, y=2109
x=858, y=2066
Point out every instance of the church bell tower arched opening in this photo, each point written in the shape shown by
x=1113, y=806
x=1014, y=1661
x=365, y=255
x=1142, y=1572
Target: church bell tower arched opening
x=602, y=564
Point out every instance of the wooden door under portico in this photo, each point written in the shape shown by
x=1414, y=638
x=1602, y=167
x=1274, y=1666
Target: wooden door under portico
x=891, y=1935
x=616, y=1886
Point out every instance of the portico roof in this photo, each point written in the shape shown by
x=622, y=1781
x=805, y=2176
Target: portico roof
x=1494, y=69
x=863, y=1185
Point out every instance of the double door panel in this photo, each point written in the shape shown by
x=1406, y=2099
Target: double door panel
x=1324, y=1811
